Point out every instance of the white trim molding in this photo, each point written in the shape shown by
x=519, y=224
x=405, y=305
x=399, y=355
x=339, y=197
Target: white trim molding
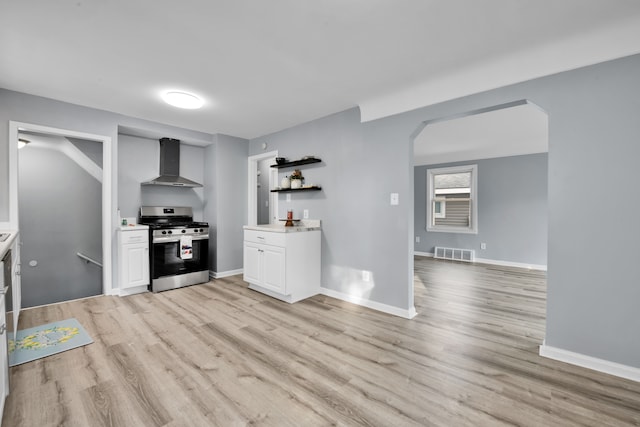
x=473, y=199
x=541, y=267
x=131, y=291
x=427, y=254
x=389, y=309
x=600, y=365
x=221, y=274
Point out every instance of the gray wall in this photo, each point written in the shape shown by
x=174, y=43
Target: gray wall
x=139, y=161
x=512, y=210
x=594, y=130
x=60, y=215
x=226, y=200
x=593, y=274
x=360, y=230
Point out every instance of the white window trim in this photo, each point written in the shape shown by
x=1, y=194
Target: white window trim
x=473, y=227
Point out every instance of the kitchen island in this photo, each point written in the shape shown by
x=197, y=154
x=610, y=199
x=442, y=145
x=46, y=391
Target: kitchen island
x=283, y=262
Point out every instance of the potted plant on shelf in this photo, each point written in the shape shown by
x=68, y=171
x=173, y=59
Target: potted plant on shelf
x=296, y=179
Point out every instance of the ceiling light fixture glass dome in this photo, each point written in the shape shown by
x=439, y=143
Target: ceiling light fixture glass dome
x=182, y=99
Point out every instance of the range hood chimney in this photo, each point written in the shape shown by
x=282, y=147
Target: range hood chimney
x=170, y=166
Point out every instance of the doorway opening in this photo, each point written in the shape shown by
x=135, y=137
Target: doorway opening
x=262, y=203
x=85, y=149
x=507, y=144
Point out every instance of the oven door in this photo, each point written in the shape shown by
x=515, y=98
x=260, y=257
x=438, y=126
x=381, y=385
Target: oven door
x=166, y=260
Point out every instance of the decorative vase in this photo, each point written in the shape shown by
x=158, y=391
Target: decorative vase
x=296, y=183
x=285, y=182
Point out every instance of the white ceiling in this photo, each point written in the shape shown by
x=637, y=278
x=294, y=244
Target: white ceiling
x=263, y=66
x=500, y=133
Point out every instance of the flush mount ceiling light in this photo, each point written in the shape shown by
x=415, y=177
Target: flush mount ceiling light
x=182, y=99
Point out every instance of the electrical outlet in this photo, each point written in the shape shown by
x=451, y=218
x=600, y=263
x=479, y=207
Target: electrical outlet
x=395, y=199
x=417, y=239
x=288, y=197
x=366, y=275
x=483, y=245
x=305, y=214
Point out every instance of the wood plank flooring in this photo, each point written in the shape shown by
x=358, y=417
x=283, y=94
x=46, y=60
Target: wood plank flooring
x=219, y=354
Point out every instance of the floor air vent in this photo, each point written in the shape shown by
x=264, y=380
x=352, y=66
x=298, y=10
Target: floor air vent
x=455, y=254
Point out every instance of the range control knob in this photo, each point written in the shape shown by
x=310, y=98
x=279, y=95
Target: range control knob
x=184, y=231
x=170, y=232
x=164, y=232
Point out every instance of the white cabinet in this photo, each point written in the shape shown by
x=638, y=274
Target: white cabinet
x=133, y=250
x=4, y=355
x=284, y=265
x=265, y=266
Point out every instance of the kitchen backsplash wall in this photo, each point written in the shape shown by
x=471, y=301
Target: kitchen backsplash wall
x=139, y=160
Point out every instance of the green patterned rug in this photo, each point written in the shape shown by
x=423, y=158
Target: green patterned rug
x=42, y=341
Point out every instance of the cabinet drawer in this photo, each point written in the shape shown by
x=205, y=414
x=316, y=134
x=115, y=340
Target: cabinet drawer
x=134, y=236
x=265, y=237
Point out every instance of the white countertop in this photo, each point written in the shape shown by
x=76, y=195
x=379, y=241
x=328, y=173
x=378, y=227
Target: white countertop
x=302, y=225
x=4, y=246
x=131, y=227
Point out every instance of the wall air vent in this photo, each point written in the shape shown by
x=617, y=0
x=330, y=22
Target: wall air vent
x=455, y=254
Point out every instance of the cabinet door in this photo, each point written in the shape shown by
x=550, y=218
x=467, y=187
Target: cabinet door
x=135, y=266
x=252, y=263
x=4, y=358
x=274, y=277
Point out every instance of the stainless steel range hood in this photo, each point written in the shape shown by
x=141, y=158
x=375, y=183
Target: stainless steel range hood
x=170, y=166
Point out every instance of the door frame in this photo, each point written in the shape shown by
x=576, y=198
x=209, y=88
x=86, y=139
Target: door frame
x=107, y=189
x=252, y=189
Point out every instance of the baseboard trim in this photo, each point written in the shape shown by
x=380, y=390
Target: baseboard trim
x=132, y=291
x=600, y=365
x=540, y=267
x=221, y=274
x=389, y=309
x=427, y=254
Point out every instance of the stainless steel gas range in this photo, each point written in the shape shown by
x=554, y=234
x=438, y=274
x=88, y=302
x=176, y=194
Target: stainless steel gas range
x=179, y=247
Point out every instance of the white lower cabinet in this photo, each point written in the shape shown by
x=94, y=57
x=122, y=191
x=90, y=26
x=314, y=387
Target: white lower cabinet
x=283, y=265
x=4, y=355
x=134, y=260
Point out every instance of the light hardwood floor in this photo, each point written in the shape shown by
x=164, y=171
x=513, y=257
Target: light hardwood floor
x=221, y=355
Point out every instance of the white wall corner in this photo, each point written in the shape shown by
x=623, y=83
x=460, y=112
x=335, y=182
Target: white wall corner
x=385, y=308
x=600, y=365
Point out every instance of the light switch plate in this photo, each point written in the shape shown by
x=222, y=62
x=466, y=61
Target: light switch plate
x=395, y=199
x=288, y=197
x=305, y=214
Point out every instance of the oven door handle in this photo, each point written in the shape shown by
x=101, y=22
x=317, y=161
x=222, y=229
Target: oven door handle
x=170, y=239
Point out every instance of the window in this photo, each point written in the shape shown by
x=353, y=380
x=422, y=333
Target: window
x=452, y=202
x=439, y=209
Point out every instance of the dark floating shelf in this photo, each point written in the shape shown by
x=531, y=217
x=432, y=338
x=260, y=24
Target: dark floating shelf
x=293, y=190
x=296, y=163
